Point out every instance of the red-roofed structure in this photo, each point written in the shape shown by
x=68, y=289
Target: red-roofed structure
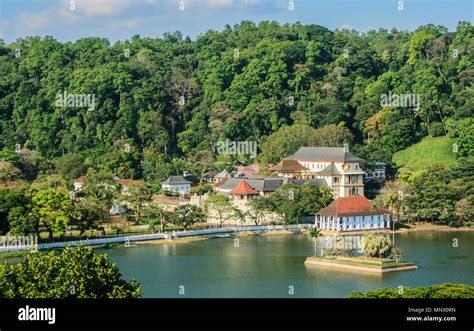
x=352, y=213
x=243, y=189
x=80, y=179
x=351, y=206
x=128, y=182
x=78, y=182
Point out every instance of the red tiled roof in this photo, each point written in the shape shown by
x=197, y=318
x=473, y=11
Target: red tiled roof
x=250, y=170
x=243, y=188
x=127, y=182
x=80, y=179
x=351, y=206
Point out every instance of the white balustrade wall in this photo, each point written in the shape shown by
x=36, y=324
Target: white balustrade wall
x=158, y=236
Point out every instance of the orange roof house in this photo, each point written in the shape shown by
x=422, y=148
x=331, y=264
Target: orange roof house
x=351, y=206
x=80, y=179
x=243, y=188
x=128, y=182
x=289, y=168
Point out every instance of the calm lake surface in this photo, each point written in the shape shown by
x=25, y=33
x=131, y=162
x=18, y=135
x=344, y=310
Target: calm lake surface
x=266, y=266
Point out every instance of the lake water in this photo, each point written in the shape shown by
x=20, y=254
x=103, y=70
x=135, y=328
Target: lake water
x=272, y=266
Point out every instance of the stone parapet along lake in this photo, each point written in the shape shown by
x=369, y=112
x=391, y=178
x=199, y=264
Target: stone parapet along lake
x=272, y=266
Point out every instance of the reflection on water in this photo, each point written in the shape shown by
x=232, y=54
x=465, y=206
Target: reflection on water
x=352, y=244
x=267, y=266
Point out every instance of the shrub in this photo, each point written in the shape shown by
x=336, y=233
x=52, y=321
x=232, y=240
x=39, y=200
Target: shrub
x=72, y=273
x=440, y=291
x=376, y=245
x=437, y=130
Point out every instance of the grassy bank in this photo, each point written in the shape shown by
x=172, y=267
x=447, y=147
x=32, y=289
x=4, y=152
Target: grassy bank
x=428, y=152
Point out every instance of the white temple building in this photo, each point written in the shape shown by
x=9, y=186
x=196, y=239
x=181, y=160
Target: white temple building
x=338, y=167
x=352, y=214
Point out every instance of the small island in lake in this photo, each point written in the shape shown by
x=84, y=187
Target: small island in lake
x=379, y=256
x=361, y=263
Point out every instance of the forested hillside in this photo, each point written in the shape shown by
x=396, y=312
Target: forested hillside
x=428, y=152
x=169, y=99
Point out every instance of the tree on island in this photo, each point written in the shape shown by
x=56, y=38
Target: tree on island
x=376, y=245
x=397, y=253
x=71, y=273
x=314, y=233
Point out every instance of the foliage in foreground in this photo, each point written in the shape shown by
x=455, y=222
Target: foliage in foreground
x=440, y=291
x=72, y=273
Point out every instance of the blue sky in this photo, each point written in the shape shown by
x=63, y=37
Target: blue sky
x=121, y=19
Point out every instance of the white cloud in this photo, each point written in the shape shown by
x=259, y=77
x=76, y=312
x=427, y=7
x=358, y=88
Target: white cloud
x=33, y=21
x=229, y=3
x=127, y=24
x=102, y=7
x=345, y=27
x=220, y=3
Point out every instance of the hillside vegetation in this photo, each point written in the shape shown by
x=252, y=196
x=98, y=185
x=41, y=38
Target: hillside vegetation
x=428, y=152
x=150, y=107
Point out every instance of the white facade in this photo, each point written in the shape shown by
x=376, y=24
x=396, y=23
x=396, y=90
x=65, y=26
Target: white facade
x=77, y=186
x=346, y=181
x=178, y=188
x=353, y=223
x=339, y=168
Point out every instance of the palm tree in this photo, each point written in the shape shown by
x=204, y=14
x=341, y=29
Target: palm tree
x=314, y=232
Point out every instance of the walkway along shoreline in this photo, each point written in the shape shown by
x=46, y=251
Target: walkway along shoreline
x=206, y=233
x=127, y=240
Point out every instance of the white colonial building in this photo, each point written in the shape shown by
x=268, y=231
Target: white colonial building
x=178, y=184
x=352, y=214
x=338, y=167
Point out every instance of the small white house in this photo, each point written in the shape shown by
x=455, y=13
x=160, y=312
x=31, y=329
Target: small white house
x=178, y=184
x=79, y=182
x=352, y=214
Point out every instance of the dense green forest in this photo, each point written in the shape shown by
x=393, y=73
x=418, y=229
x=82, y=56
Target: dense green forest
x=147, y=108
x=161, y=101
